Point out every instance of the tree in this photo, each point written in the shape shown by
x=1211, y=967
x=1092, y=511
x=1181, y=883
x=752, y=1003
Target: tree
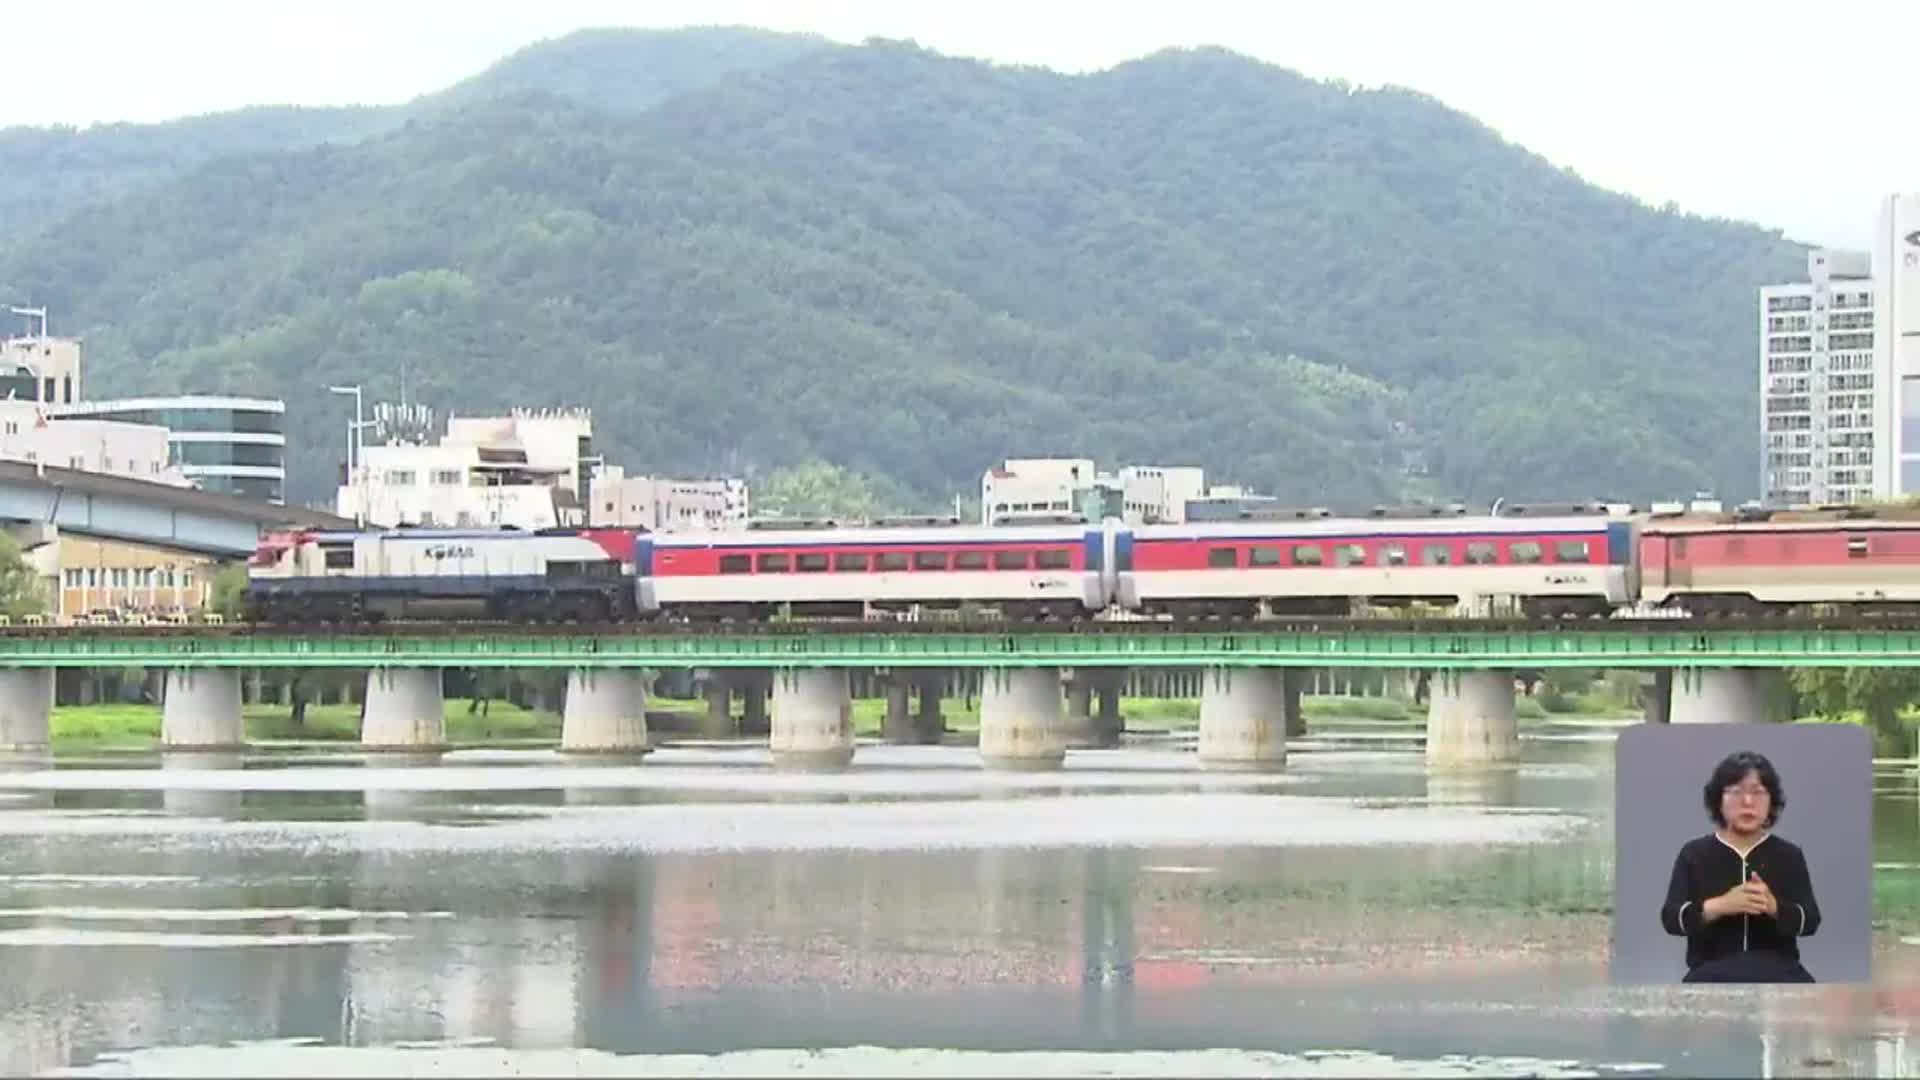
x=1879, y=693
x=22, y=593
x=229, y=591
x=818, y=489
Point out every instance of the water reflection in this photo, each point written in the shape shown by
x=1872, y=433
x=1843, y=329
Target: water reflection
x=1416, y=950
x=190, y=798
x=393, y=802
x=1483, y=787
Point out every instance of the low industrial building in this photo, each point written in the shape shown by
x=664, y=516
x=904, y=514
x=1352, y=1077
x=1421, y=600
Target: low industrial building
x=1038, y=489
x=665, y=504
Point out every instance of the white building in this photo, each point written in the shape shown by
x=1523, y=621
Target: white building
x=227, y=445
x=1820, y=390
x=523, y=470
x=1160, y=492
x=663, y=504
x=1044, y=487
x=136, y=451
x=1034, y=487
x=40, y=368
x=1896, y=303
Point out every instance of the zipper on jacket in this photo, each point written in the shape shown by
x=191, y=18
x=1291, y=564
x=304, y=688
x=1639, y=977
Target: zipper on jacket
x=1745, y=920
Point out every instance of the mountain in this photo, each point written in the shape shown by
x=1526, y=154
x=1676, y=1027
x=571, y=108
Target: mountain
x=629, y=70
x=47, y=173
x=914, y=265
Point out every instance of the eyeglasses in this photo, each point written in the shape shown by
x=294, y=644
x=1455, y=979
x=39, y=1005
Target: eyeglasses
x=1745, y=791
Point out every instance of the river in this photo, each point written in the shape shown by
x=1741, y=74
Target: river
x=514, y=913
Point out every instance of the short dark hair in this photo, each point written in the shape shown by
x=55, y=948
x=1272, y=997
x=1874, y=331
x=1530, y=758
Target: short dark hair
x=1734, y=768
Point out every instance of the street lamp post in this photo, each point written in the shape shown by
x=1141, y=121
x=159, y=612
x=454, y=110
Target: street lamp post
x=354, y=444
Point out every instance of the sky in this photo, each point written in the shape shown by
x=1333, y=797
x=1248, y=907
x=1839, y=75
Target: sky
x=1778, y=113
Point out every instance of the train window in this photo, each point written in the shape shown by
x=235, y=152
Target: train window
x=854, y=562
x=1306, y=555
x=1525, y=551
x=1481, y=553
x=1223, y=557
x=775, y=563
x=1572, y=551
x=893, y=560
x=1437, y=554
x=1856, y=547
x=970, y=560
x=736, y=564
x=1394, y=554
x=1010, y=560
x=812, y=562
x=1263, y=556
x=1053, y=559
x=1349, y=555
x=339, y=558
x=929, y=560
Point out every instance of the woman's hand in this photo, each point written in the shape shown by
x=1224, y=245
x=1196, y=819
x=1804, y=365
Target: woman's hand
x=1750, y=897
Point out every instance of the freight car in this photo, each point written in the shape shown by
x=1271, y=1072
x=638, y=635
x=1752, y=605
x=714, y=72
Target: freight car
x=1782, y=563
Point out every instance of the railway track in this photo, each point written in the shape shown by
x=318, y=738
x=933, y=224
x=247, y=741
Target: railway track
x=995, y=628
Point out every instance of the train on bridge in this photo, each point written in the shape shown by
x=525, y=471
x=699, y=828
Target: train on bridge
x=1535, y=562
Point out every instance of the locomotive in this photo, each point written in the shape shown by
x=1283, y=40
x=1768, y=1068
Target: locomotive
x=1534, y=562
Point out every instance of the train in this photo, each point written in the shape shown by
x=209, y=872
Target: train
x=1532, y=562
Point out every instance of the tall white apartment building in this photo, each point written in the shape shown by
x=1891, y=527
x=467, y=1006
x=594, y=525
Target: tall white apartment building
x=1822, y=396
x=1896, y=302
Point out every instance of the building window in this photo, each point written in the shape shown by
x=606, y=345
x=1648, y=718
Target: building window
x=454, y=478
x=399, y=477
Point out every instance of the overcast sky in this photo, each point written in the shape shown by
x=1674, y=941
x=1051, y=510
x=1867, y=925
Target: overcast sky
x=1787, y=114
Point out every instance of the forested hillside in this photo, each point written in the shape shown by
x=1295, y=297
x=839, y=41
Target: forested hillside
x=914, y=265
x=48, y=173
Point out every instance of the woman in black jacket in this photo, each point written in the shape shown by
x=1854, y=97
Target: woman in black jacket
x=1741, y=895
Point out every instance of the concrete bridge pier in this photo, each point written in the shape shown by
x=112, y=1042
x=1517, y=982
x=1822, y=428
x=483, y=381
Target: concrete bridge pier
x=26, y=709
x=1021, y=726
x=201, y=710
x=754, y=685
x=903, y=726
x=1108, y=685
x=1081, y=730
x=1243, y=718
x=928, y=689
x=605, y=713
x=812, y=719
x=717, y=722
x=1729, y=696
x=405, y=710
x=1470, y=719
